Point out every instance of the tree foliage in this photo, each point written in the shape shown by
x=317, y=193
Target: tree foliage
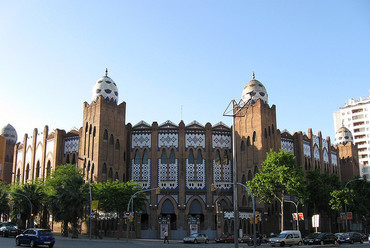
x=114, y=196
x=279, y=176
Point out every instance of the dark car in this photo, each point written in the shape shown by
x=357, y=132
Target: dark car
x=35, y=237
x=350, y=237
x=7, y=231
x=310, y=238
x=225, y=238
x=325, y=238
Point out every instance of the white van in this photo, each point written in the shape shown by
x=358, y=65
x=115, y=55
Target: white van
x=288, y=237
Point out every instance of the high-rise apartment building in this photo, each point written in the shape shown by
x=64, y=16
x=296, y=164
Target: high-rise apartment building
x=355, y=115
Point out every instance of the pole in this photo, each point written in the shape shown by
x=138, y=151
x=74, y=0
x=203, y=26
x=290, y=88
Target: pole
x=345, y=205
x=29, y=201
x=90, y=215
x=296, y=211
x=235, y=189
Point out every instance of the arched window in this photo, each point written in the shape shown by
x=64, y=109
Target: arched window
x=92, y=169
x=225, y=159
x=67, y=159
x=199, y=157
x=249, y=175
x=90, y=129
x=111, y=140
x=104, y=170
x=105, y=136
x=137, y=157
x=269, y=131
x=164, y=157
x=272, y=128
x=255, y=170
x=244, y=201
x=27, y=171
x=116, y=177
x=248, y=141
x=191, y=157
x=73, y=158
x=48, y=169
x=218, y=157
x=38, y=169
x=254, y=136
x=172, y=157
x=265, y=133
x=243, y=179
x=242, y=146
x=145, y=157
x=117, y=144
x=110, y=174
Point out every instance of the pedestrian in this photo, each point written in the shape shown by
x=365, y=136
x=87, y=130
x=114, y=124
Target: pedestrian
x=165, y=234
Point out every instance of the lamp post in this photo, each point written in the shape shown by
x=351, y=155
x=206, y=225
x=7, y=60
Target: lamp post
x=296, y=211
x=29, y=201
x=345, y=205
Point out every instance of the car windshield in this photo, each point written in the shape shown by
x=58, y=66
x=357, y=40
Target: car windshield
x=282, y=235
x=194, y=235
x=345, y=235
x=312, y=235
x=321, y=235
x=45, y=232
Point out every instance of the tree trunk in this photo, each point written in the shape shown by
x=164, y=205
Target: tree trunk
x=65, y=229
x=75, y=229
x=282, y=211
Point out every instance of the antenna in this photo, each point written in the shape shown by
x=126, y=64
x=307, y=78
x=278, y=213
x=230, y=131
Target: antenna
x=181, y=112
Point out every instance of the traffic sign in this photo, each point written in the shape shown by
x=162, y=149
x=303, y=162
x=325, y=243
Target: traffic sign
x=91, y=216
x=127, y=213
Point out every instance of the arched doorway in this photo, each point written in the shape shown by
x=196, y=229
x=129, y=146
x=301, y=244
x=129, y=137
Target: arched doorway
x=195, y=217
x=167, y=218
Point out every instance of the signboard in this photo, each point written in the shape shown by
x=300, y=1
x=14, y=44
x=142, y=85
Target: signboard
x=94, y=205
x=193, y=228
x=300, y=215
x=295, y=216
x=315, y=220
x=349, y=215
x=163, y=228
x=127, y=213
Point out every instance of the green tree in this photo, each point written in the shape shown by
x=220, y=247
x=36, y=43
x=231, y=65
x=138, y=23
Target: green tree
x=279, y=176
x=4, y=199
x=66, y=196
x=319, y=188
x=35, y=195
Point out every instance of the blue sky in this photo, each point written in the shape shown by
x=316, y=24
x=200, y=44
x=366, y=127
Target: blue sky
x=176, y=60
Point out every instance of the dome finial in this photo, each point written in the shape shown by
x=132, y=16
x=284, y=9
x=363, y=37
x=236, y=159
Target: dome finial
x=106, y=72
x=253, y=76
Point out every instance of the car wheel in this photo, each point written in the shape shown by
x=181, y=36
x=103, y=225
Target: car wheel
x=207, y=241
x=300, y=243
x=17, y=242
x=4, y=234
x=51, y=245
x=352, y=242
x=361, y=241
x=32, y=244
x=322, y=242
x=282, y=244
x=195, y=241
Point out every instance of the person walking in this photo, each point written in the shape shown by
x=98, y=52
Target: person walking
x=165, y=234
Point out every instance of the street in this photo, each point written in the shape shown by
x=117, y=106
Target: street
x=140, y=243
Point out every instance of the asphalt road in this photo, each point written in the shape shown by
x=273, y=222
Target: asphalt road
x=142, y=243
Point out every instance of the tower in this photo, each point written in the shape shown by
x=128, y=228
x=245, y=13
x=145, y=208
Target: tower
x=103, y=137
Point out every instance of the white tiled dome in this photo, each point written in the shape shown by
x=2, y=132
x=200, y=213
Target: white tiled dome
x=343, y=135
x=106, y=88
x=253, y=91
x=10, y=134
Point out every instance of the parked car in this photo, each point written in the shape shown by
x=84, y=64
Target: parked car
x=225, y=238
x=310, y=237
x=35, y=237
x=7, y=231
x=350, y=237
x=244, y=239
x=288, y=237
x=197, y=238
x=324, y=238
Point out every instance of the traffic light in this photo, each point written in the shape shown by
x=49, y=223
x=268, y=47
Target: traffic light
x=213, y=187
x=31, y=214
x=158, y=190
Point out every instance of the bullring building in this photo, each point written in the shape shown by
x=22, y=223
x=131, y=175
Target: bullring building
x=183, y=159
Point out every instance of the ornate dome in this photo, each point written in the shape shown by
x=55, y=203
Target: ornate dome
x=106, y=88
x=10, y=134
x=253, y=91
x=343, y=135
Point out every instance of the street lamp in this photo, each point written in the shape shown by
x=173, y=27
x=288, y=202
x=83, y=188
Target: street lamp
x=296, y=210
x=345, y=205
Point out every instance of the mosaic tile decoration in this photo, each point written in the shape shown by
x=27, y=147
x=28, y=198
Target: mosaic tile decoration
x=144, y=181
x=195, y=139
x=325, y=144
x=71, y=145
x=316, y=153
x=325, y=156
x=170, y=180
x=227, y=174
x=221, y=140
x=287, y=144
x=168, y=139
x=141, y=140
x=334, y=158
x=193, y=181
x=315, y=141
x=307, y=149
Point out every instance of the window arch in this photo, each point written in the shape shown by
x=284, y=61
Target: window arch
x=243, y=179
x=117, y=144
x=248, y=141
x=242, y=146
x=137, y=157
x=249, y=175
x=172, y=157
x=218, y=157
x=145, y=157
x=255, y=170
x=164, y=157
x=225, y=159
x=38, y=169
x=48, y=169
x=27, y=172
x=110, y=174
x=265, y=133
x=116, y=177
x=73, y=158
x=104, y=170
x=191, y=157
x=254, y=136
x=67, y=159
x=244, y=201
x=272, y=128
x=269, y=131
x=105, y=136
x=199, y=157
